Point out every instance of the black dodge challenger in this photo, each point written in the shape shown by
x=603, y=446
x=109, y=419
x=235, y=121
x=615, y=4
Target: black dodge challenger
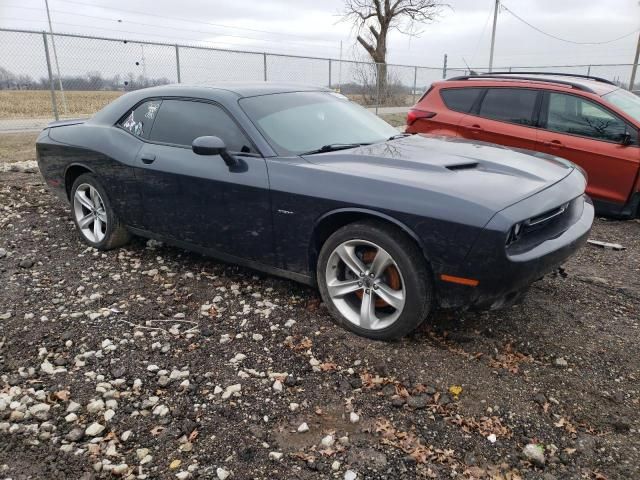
x=303, y=183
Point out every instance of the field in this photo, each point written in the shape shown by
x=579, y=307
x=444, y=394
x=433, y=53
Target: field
x=37, y=103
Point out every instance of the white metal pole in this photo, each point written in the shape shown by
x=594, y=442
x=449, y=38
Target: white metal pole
x=635, y=65
x=55, y=57
x=340, y=70
x=493, y=34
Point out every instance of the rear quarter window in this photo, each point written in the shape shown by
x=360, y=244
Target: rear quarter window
x=460, y=99
x=139, y=120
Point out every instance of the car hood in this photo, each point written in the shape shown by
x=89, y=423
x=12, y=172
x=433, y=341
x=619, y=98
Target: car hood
x=478, y=172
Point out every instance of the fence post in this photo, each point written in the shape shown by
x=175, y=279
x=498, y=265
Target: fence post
x=415, y=81
x=444, y=67
x=377, y=86
x=178, y=62
x=329, y=73
x=53, y=93
x=264, y=58
x=589, y=70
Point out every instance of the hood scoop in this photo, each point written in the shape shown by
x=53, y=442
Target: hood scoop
x=462, y=166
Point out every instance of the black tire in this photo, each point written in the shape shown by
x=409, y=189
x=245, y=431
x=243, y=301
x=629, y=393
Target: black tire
x=116, y=234
x=411, y=263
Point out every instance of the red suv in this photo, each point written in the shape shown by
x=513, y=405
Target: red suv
x=587, y=120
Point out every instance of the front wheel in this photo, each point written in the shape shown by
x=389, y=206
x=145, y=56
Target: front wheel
x=374, y=280
x=96, y=221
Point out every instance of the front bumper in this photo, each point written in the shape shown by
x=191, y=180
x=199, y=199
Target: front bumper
x=504, y=273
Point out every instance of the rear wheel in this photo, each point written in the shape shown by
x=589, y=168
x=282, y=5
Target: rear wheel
x=374, y=280
x=96, y=221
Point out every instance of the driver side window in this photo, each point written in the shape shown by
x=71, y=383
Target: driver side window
x=577, y=116
x=179, y=122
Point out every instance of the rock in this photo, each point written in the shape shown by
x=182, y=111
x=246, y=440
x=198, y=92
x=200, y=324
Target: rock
x=257, y=337
x=108, y=415
x=163, y=381
x=397, y=401
x=95, y=406
x=492, y=438
x=126, y=435
x=118, y=372
x=289, y=323
x=40, y=411
x=94, y=429
x=183, y=475
x=26, y=263
x=294, y=406
x=3, y=253
x=354, y=417
x=277, y=386
x=560, y=362
x=303, y=428
x=72, y=417
x=222, y=473
x=230, y=390
x=540, y=399
x=418, y=401
x=534, y=453
x=328, y=441
x=276, y=456
x=367, y=457
x=141, y=453
x=75, y=435
x=120, y=469
x=350, y=475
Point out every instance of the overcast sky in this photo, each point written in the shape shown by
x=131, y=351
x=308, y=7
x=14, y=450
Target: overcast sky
x=313, y=27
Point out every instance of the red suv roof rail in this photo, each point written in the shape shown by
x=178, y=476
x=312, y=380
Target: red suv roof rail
x=489, y=76
x=575, y=75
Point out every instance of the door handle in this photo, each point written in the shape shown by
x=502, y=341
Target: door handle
x=148, y=159
x=476, y=128
x=553, y=144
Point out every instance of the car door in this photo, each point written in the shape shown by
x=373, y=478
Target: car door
x=591, y=136
x=126, y=139
x=504, y=115
x=198, y=199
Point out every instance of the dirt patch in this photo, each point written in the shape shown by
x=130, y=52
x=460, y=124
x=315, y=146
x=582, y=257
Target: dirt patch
x=17, y=147
x=181, y=365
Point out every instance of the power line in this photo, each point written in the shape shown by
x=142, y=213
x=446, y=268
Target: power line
x=564, y=39
x=230, y=35
x=182, y=19
x=188, y=41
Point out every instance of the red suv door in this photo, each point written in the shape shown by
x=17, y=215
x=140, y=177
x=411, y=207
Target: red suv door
x=590, y=135
x=504, y=115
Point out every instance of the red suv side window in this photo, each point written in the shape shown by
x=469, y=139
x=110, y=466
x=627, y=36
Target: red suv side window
x=460, y=99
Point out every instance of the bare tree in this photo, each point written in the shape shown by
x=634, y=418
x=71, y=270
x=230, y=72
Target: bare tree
x=374, y=19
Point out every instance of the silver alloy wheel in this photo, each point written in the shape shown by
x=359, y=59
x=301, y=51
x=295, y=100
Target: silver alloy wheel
x=90, y=213
x=359, y=285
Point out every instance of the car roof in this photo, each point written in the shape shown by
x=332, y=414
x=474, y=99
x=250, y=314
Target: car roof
x=585, y=83
x=241, y=89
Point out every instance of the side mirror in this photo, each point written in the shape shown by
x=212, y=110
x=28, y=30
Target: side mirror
x=626, y=139
x=210, y=145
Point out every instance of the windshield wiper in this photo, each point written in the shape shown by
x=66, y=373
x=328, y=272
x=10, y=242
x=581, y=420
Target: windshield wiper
x=399, y=135
x=332, y=147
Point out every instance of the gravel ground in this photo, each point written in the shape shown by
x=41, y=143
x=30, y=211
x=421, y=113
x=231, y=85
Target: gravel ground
x=151, y=362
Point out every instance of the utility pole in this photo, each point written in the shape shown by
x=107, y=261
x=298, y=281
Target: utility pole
x=635, y=65
x=493, y=34
x=55, y=57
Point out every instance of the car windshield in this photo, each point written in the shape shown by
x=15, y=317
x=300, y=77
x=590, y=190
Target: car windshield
x=625, y=101
x=299, y=122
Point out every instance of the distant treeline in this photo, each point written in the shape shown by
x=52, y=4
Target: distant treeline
x=89, y=81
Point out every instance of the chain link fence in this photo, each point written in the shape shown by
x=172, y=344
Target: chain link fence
x=45, y=77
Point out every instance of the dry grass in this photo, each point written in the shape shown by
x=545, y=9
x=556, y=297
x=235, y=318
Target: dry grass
x=17, y=147
x=395, y=119
x=37, y=103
